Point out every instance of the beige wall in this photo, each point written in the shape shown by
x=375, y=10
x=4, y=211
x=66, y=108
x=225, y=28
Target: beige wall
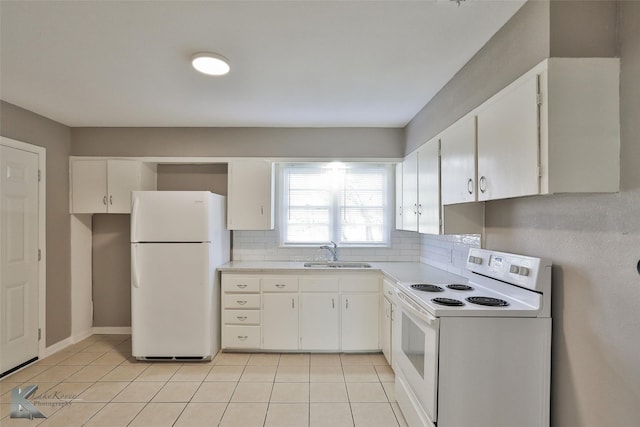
x=592, y=239
x=238, y=142
x=22, y=125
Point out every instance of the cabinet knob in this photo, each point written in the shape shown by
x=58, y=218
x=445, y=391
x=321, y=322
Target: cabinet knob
x=470, y=186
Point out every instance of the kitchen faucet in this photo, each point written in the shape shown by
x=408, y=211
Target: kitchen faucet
x=333, y=250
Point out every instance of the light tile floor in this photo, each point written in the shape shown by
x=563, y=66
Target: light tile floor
x=96, y=383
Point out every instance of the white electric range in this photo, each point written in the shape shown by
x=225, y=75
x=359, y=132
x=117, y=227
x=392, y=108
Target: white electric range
x=477, y=352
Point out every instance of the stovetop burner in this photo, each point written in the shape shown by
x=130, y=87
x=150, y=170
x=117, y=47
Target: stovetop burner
x=488, y=301
x=448, y=302
x=427, y=288
x=460, y=287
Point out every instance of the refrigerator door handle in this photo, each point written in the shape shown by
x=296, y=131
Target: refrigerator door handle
x=134, y=219
x=135, y=280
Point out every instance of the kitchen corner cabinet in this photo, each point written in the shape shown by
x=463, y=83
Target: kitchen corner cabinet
x=410, y=192
x=387, y=319
x=399, y=196
x=250, y=195
x=420, y=189
x=105, y=185
x=554, y=130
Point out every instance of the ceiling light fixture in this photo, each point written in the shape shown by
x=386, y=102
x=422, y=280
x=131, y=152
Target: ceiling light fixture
x=210, y=63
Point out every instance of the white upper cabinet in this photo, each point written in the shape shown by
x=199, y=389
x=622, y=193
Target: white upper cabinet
x=105, y=186
x=399, y=196
x=410, y=192
x=458, y=162
x=508, y=143
x=421, y=189
x=250, y=195
x=554, y=130
x=429, y=187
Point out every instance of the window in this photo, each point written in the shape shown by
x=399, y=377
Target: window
x=346, y=203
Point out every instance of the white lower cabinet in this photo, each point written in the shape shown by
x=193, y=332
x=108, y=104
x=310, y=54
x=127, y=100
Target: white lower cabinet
x=320, y=321
x=280, y=321
x=315, y=312
x=359, y=314
x=387, y=319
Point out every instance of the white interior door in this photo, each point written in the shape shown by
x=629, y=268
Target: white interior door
x=18, y=257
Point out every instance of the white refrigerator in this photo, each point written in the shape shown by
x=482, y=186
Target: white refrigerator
x=178, y=239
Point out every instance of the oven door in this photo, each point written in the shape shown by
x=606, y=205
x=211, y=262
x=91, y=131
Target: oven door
x=418, y=357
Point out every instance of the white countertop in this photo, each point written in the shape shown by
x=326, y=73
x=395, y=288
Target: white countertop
x=415, y=272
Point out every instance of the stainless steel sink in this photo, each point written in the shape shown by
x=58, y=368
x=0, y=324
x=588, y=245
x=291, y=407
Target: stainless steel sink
x=337, y=264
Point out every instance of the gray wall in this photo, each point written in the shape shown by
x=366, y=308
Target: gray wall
x=22, y=125
x=592, y=239
x=238, y=142
x=594, y=243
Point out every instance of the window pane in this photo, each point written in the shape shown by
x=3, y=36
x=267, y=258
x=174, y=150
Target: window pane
x=308, y=233
x=347, y=205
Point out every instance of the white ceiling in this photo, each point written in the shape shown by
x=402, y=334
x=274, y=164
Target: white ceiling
x=294, y=63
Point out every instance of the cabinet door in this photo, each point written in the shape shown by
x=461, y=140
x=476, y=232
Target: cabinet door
x=89, y=186
x=250, y=195
x=508, y=144
x=429, y=187
x=385, y=328
x=399, y=196
x=319, y=321
x=458, y=162
x=280, y=321
x=359, y=322
x=123, y=176
x=410, y=193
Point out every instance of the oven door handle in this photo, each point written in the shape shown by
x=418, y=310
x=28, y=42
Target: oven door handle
x=411, y=307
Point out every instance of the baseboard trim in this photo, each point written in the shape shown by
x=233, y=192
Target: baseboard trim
x=114, y=330
x=60, y=345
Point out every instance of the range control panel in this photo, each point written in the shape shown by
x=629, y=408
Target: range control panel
x=517, y=269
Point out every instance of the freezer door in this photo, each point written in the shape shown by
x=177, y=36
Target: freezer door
x=172, y=299
x=173, y=216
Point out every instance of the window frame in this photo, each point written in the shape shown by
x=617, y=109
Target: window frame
x=335, y=204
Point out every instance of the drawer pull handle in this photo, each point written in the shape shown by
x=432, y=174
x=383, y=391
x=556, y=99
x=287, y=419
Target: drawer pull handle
x=242, y=318
x=280, y=285
x=390, y=293
x=241, y=302
x=242, y=337
x=242, y=286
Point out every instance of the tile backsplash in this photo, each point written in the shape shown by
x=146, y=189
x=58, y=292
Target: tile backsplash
x=446, y=252
x=265, y=246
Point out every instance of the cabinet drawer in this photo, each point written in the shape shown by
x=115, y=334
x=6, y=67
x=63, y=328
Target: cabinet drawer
x=241, y=317
x=360, y=284
x=320, y=284
x=236, y=283
x=280, y=284
x=389, y=290
x=241, y=300
x=241, y=336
